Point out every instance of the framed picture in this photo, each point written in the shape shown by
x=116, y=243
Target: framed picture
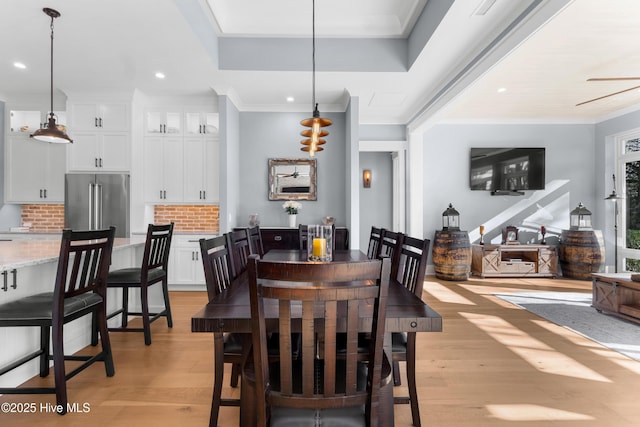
x=510, y=235
x=292, y=179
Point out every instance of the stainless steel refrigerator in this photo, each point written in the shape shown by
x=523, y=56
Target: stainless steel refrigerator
x=96, y=201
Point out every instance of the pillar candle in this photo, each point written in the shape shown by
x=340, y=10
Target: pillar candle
x=319, y=247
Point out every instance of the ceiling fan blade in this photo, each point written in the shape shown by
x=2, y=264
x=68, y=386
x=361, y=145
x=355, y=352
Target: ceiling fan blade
x=607, y=96
x=611, y=79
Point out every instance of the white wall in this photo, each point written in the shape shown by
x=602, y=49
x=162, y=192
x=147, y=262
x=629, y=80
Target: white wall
x=570, y=177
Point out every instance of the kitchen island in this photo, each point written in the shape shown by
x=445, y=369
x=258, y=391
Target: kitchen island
x=28, y=267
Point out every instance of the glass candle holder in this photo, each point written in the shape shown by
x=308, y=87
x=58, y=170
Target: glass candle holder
x=320, y=243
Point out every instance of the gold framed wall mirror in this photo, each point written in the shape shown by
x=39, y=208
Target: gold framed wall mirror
x=292, y=179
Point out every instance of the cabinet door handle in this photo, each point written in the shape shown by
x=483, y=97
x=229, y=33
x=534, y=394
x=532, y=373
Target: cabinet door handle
x=14, y=272
x=5, y=286
x=164, y=194
x=41, y=193
x=164, y=128
x=95, y=161
x=100, y=121
x=204, y=194
x=161, y=194
x=45, y=193
x=277, y=238
x=95, y=122
x=100, y=161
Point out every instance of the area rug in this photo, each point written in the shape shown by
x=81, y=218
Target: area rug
x=573, y=310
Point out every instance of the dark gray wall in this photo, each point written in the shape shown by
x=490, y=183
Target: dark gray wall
x=277, y=135
x=376, y=202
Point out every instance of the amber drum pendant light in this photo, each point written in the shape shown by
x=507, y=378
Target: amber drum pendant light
x=315, y=124
x=51, y=132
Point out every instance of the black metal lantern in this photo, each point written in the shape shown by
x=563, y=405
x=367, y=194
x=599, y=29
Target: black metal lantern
x=450, y=219
x=580, y=218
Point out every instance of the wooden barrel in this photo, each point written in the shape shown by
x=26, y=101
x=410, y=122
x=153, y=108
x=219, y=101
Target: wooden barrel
x=581, y=253
x=452, y=255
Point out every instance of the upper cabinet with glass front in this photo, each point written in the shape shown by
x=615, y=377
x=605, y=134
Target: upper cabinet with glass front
x=163, y=122
x=201, y=123
x=28, y=121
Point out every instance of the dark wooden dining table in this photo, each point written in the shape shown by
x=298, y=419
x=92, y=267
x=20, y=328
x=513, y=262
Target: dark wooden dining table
x=230, y=311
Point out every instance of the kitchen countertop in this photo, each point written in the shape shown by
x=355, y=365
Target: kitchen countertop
x=28, y=252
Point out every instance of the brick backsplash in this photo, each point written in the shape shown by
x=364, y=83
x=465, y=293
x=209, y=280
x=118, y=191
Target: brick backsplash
x=45, y=218
x=48, y=218
x=199, y=218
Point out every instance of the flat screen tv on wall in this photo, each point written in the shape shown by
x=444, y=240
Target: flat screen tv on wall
x=507, y=170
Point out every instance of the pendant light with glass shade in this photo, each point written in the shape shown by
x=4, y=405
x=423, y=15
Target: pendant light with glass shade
x=315, y=124
x=51, y=132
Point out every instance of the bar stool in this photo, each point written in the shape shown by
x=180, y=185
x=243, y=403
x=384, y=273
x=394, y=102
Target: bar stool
x=153, y=270
x=80, y=289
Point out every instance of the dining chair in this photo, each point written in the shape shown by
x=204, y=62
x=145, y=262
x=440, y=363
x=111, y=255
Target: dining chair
x=409, y=271
x=155, y=262
x=79, y=290
x=240, y=249
x=317, y=388
x=255, y=240
x=218, y=274
x=374, y=242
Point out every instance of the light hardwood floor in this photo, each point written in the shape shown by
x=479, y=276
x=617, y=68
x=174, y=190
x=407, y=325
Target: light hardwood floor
x=493, y=365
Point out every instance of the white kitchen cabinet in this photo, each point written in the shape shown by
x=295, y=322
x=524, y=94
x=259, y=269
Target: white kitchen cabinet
x=163, y=169
x=34, y=171
x=101, y=137
x=201, y=166
x=200, y=123
x=160, y=122
x=99, y=152
x=28, y=121
x=186, y=271
x=91, y=116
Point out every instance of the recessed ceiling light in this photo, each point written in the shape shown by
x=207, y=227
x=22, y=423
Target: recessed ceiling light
x=160, y=75
x=290, y=99
x=19, y=65
x=502, y=90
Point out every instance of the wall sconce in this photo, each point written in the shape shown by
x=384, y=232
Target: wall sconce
x=366, y=178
